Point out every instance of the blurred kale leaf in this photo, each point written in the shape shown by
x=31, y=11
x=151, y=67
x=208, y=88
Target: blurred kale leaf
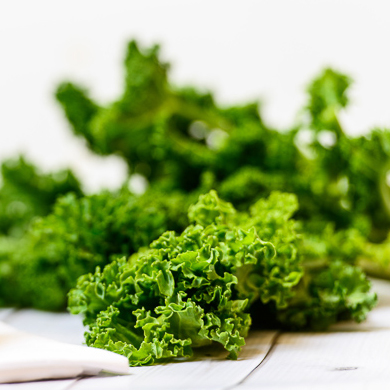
x=26, y=193
x=80, y=234
x=177, y=137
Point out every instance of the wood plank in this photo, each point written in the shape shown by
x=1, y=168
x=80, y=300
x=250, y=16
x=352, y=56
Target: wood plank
x=376, y=385
x=334, y=358
x=40, y=385
x=210, y=370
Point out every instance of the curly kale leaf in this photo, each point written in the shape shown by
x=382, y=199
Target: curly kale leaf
x=328, y=95
x=327, y=294
x=179, y=295
x=79, y=235
x=203, y=285
x=169, y=134
x=79, y=109
x=145, y=124
x=175, y=136
x=26, y=193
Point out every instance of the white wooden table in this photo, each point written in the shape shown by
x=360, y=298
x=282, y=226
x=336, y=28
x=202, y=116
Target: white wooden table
x=348, y=356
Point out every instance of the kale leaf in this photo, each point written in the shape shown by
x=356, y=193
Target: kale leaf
x=26, y=193
x=201, y=286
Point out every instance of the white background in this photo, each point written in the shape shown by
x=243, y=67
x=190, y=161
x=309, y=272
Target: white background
x=243, y=50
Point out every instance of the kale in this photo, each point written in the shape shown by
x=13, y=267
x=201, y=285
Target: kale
x=26, y=193
x=201, y=286
x=171, y=135
x=175, y=136
x=185, y=145
x=80, y=234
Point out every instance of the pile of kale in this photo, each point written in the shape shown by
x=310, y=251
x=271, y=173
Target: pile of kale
x=240, y=223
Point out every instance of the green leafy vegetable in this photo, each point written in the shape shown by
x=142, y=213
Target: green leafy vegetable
x=178, y=137
x=191, y=289
x=26, y=193
x=79, y=235
x=185, y=144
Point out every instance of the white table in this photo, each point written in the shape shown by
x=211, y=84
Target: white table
x=348, y=356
